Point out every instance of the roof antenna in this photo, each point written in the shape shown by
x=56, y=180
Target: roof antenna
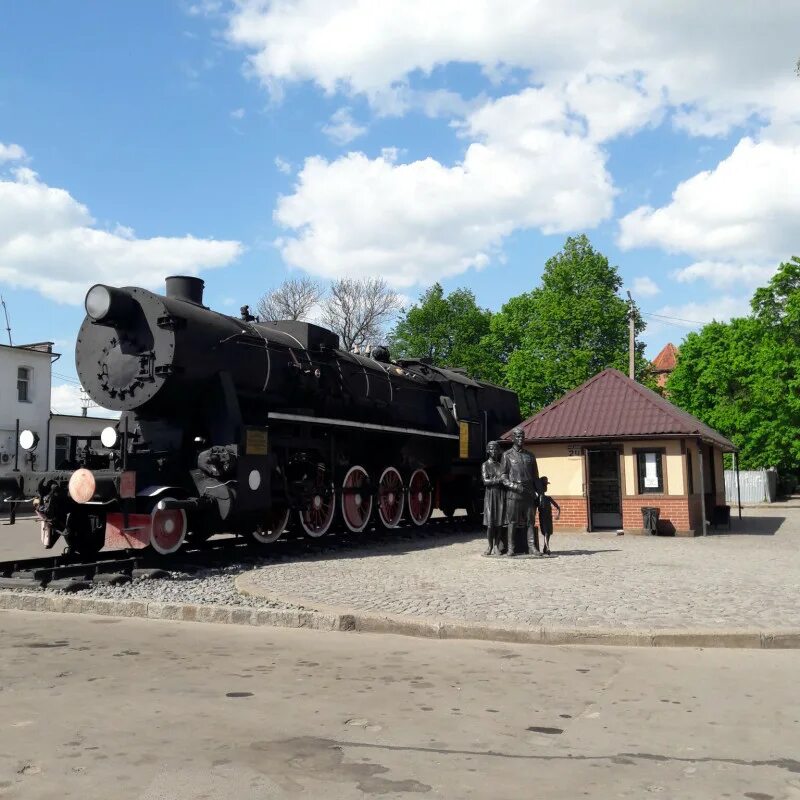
x=8, y=324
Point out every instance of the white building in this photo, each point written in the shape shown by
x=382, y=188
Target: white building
x=25, y=385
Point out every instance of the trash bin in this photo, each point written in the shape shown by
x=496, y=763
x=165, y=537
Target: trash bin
x=650, y=519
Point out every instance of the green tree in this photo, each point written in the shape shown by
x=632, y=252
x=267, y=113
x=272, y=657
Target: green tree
x=743, y=377
x=574, y=325
x=447, y=329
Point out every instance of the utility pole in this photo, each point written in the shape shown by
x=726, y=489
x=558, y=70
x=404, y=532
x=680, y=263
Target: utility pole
x=631, y=340
x=8, y=324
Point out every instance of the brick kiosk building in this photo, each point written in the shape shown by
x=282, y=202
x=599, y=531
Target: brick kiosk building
x=612, y=446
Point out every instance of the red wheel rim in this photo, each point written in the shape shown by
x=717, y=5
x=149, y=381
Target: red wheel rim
x=167, y=529
x=317, y=516
x=274, y=527
x=356, y=499
x=420, y=497
x=391, y=497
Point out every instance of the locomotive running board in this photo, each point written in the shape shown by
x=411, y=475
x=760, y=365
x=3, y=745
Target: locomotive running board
x=368, y=425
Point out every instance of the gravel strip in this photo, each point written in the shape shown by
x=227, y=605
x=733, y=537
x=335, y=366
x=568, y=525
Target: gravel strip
x=214, y=586
x=208, y=586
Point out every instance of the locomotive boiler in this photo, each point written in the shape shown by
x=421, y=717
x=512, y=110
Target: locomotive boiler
x=238, y=425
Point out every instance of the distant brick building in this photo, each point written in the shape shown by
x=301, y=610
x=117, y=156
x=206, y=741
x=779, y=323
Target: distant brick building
x=665, y=362
x=612, y=446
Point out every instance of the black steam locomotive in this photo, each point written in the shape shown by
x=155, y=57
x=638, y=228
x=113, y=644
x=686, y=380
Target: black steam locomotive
x=237, y=425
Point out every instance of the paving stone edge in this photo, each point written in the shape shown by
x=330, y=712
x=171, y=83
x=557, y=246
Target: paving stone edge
x=325, y=619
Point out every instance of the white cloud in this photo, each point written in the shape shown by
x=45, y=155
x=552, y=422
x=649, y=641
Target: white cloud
x=725, y=275
x=645, y=287
x=342, y=128
x=744, y=211
x=527, y=166
x=11, y=152
x=716, y=63
x=49, y=242
x=238, y=113
x=283, y=166
x=66, y=398
x=204, y=8
x=592, y=74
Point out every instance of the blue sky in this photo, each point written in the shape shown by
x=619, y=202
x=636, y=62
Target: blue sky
x=459, y=142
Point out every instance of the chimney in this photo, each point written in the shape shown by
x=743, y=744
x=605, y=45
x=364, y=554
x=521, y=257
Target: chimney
x=185, y=287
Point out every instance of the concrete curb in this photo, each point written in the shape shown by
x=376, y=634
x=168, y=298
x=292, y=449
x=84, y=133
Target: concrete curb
x=329, y=620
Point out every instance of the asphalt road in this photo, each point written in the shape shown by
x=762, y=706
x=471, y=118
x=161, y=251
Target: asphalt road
x=23, y=539
x=99, y=708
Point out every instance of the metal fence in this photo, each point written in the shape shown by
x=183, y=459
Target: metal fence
x=757, y=486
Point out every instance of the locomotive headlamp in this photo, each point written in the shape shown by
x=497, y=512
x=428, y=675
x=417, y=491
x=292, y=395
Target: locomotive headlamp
x=28, y=440
x=108, y=437
x=98, y=301
x=105, y=304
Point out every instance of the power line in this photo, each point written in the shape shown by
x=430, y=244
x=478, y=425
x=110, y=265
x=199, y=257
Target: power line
x=66, y=378
x=676, y=319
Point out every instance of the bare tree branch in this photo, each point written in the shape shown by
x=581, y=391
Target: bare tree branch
x=293, y=299
x=358, y=310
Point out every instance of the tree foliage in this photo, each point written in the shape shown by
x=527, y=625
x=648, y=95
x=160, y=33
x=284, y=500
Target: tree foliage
x=574, y=325
x=448, y=330
x=358, y=309
x=743, y=377
x=293, y=299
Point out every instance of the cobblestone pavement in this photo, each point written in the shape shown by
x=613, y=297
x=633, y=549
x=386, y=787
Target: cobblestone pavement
x=745, y=580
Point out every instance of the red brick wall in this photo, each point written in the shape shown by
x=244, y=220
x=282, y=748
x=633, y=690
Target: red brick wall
x=573, y=513
x=673, y=512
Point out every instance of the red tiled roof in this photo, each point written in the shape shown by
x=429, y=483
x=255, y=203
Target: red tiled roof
x=665, y=361
x=612, y=406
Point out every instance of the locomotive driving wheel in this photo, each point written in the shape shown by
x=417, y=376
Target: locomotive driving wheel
x=420, y=497
x=391, y=498
x=167, y=529
x=356, y=499
x=274, y=526
x=317, y=515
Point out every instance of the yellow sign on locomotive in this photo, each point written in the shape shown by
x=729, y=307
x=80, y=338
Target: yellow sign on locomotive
x=256, y=443
x=463, y=439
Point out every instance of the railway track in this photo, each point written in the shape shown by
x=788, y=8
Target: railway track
x=70, y=573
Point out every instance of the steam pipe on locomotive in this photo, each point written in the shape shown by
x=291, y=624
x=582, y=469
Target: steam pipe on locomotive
x=236, y=425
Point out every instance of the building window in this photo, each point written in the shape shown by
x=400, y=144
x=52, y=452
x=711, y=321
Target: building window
x=62, y=451
x=24, y=384
x=651, y=474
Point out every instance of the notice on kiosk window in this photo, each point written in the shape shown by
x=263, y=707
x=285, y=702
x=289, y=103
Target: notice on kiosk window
x=650, y=471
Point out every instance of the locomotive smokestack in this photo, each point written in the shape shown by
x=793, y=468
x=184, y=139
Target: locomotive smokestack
x=184, y=287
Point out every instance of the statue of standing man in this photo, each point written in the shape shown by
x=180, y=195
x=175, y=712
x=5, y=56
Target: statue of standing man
x=521, y=478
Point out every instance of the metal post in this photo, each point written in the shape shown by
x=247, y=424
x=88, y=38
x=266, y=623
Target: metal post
x=125, y=446
x=47, y=446
x=738, y=485
x=631, y=341
x=16, y=449
x=702, y=485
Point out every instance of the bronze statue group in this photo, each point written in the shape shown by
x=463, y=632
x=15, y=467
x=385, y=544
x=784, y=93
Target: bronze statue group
x=514, y=493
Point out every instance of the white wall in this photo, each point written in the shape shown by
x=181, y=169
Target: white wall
x=69, y=425
x=32, y=415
